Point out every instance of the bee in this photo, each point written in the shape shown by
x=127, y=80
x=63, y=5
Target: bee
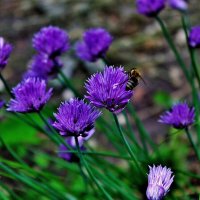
x=133, y=79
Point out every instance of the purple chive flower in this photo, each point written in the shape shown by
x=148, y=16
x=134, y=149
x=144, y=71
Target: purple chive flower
x=2, y=103
x=43, y=67
x=30, y=96
x=70, y=157
x=52, y=41
x=5, y=50
x=150, y=8
x=194, y=37
x=180, y=116
x=159, y=181
x=76, y=118
x=179, y=4
x=96, y=42
x=108, y=89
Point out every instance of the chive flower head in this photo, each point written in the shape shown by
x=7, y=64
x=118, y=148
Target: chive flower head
x=180, y=5
x=159, y=181
x=29, y=96
x=43, y=67
x=107, y=89
x=95, y=44
x=179, y=116
x=76, y=118
x=52, y=41
x=5, y=51
x=194, y=37
x=150, y=8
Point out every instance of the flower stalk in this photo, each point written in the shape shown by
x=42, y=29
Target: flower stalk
x=84, y=162
x=134, y=159
x=173, y=48
x=67, y=83
x=192, y=143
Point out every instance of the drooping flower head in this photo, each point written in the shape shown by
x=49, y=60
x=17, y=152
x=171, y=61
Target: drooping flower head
x=150, y=8
x=70, y=157
x=52, y=41
x=159, y=181
x=29, y=96
x=194, y=37
x=180, y=5
x=107, y=89
x=180, y=116
x=76, y=118
x=96, y=42
x=43, y=67
x=5, y=50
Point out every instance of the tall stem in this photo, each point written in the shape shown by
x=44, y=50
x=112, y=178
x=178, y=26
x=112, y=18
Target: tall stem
x=103, y=154
x=144, y=135
x=192, y=143
x=68, y=83
x=89, y=171
x=173, y=48
x=127, y=144
x=194, y=64
x=185, y=24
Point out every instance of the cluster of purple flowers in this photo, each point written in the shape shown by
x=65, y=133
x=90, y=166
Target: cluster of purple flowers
x=151, y=8
x=106, y=89
x=50, y=43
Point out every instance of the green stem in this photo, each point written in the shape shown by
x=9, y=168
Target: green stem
x=192, y=143
x=134, y=159
x=173, y=48
x=194, y=64
x=90, y=172
x=105, y=154
x=130, y=130
x=109, y=132
x=142, y=131
x=12, y=152
x=185, y=23
x=186, y=173
x=68, y=83
x=85, y=178
x=6, y=85
x=191, y=50
x=41, y=188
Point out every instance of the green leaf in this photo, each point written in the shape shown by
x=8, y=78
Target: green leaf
x=14, y=131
